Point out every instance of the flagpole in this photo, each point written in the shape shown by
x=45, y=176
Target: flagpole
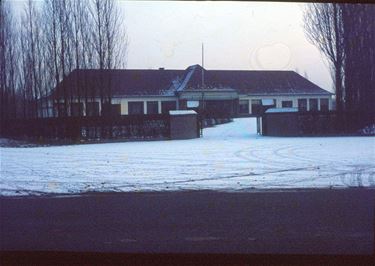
x=202, y=65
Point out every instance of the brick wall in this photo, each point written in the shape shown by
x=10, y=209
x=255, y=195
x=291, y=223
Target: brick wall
x=184, y=126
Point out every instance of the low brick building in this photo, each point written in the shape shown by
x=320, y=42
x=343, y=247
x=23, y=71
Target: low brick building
x=183, y=124
x=91, y=92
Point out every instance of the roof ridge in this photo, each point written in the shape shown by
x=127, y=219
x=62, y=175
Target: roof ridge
x=126, y=69
x=195, y=66
x=250, y=70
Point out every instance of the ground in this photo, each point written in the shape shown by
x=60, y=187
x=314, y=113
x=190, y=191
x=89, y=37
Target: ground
x=229, y=157
x=315, y=221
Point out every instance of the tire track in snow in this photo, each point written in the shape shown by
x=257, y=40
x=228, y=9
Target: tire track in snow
x=227, y=177
x=229, y=158
x=355, y=177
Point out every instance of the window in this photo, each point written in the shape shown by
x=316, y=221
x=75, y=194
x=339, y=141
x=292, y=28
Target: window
x=111, y=109
x=270, y=103
x=302, y=105
x=256, y=106
x=92, y=109
x=192, y=104
x=116, y=109
x=60, y=108
x=286, y=104
x=76, y=109
x=135, y=108
x=313, y=104
x=324, y=105
x=166, y=106
x=152, y=107
x=243, y=107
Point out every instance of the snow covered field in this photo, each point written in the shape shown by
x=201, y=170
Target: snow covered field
x=229, y=157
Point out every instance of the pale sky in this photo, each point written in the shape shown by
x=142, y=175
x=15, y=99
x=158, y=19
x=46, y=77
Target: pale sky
x=236, y=35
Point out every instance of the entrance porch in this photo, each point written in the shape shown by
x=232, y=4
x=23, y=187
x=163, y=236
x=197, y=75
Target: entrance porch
x=211, y=103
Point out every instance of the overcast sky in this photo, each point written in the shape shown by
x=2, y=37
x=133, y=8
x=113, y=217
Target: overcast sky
x=236, y=35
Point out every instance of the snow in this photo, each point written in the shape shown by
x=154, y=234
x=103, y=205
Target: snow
x=369, y=130
x=15, y=143
x=182, y=112
x=229, y=157
x=172, y=89
x=192, y=104
x=187, y=78
x=282, y=110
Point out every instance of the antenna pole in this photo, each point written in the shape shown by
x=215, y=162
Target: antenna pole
x=202, y=65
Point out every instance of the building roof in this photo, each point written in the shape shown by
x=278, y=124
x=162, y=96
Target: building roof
x=163, y=82
x=122, y=81
x=255, y=82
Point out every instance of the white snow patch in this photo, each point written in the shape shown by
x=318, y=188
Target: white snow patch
x=192, y=104
x=282, y=110
x=369, y=130
x=187, y=78
x=182, y=112
x=176, y=82
x=229, y=157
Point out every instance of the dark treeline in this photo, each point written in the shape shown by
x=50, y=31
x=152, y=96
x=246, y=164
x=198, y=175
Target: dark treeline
x=46, y=40
x=345, y=34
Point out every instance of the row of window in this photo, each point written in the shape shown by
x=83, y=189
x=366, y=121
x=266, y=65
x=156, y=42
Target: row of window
x=313, y=103
x=257, y=107
x=134, y=108
x=137, y=108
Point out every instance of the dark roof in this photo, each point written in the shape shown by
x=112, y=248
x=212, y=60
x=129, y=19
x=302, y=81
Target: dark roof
x=123, y=81
x=255, y=81
x=127, y=82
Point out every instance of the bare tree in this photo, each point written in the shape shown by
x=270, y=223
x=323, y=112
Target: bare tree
x=76, y=12
x=24, y=79
x=88, y=61
x=52, y=38
x=8, y=61
x=81, y=42
x=62, y=13
x=4, y=13
x=116, y=41
x=324, y=28
x=110, y=43
x=12, y=65
x=97, y=13
x=30, y=25
x=359, y=46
